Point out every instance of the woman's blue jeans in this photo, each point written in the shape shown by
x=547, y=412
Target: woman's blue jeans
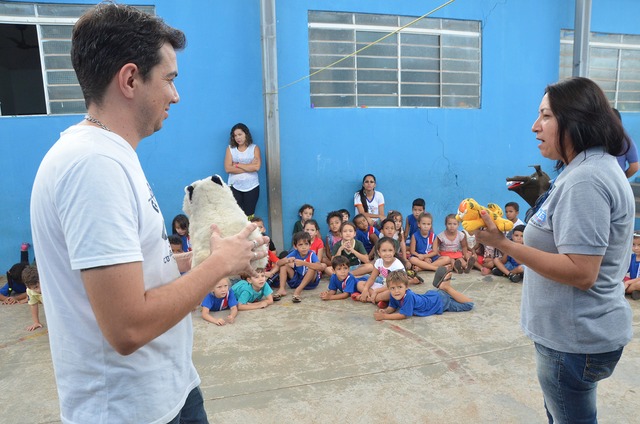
x=569, y=382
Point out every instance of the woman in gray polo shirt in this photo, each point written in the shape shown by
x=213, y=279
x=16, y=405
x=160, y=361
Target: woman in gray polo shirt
x=576, y=250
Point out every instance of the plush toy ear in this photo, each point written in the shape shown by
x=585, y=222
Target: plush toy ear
x=216, y=179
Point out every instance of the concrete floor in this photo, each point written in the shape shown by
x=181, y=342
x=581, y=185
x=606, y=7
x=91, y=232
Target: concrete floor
x=327, y=362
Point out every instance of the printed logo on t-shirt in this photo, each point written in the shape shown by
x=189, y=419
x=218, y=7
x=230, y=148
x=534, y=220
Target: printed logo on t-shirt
x=539, y=218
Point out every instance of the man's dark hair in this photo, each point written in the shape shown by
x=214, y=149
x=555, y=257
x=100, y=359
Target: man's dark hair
x=109, y=36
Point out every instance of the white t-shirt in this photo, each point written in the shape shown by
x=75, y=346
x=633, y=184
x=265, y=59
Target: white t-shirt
x=91, y=206
x=373, y=204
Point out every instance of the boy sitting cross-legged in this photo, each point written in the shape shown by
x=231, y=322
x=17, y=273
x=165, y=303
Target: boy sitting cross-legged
x=342, y=284
x=300, y=268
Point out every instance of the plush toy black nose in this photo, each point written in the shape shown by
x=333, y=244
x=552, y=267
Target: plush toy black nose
x=216, y=179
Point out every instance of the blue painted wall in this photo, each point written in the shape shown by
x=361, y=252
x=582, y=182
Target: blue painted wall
x=442, y=155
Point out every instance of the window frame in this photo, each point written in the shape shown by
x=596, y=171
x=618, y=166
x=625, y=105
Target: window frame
x=598, y=42
x=430, y=27
x=37, y=19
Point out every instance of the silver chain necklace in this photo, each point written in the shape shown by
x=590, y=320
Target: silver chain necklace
x=95, y=121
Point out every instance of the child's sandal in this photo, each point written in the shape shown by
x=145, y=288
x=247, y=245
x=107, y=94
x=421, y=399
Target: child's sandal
x=296, y=299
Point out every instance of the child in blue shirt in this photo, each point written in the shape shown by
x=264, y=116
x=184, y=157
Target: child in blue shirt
x=417, y=208
x=367, y=234
x=632, y=282
x=301, y=268
x=253, y=292
x=342, y=283
x=14, y=291
x=433, y=302
x=220, y=298
x=507, y=266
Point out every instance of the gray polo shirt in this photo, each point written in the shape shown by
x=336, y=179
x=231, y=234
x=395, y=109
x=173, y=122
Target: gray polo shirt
x=590, y=211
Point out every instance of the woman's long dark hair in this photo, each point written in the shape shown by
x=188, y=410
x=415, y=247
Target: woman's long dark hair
x=585, y=119
x=363, y=195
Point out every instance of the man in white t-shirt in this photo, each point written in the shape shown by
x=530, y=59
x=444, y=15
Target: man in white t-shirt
x=117, y=308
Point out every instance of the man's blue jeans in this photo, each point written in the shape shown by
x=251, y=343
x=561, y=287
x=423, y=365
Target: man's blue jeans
x=193, y=410
x=569, y=382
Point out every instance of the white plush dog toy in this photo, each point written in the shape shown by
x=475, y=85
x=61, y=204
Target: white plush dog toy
x=210, y=201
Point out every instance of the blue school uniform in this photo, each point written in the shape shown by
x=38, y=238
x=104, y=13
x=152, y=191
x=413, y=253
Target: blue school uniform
x=220, y=303
x=349, y=285
x=413, y=227
x=421, y=305
x=634, y=267
x=425, y=244
x=365, y=236
x=300, y=271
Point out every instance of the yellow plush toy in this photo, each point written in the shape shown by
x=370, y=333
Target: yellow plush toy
x=469, y=215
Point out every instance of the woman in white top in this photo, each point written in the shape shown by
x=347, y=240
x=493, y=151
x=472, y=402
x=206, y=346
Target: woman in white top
x=369, y=202
x=242, y=163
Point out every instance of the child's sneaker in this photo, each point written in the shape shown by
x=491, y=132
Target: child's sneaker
x=497, y=272
x=355, y=296
x=383, y=305
x=515, y=278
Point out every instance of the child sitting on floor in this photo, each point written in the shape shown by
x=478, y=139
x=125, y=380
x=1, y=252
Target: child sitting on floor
x=396, y=217
x=423, y=255
x=507, y=266
x=342, y=283
x=632, y=281
x=352, y=249
x=388, y=229
x=31, y=280
x=220, y=299
x=433, y=302
x=374, y=289
x=253, y=292
x=317, y=246
x=453, y=243
x=305, y=213
x=300, y=269
x=183, y=259
x=417, y=208
x=345, y=214
x=367, y=234
x=334, y=221
x=271, y=270
x=14, y=291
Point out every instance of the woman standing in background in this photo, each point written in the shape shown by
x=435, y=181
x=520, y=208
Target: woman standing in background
x=242, y=163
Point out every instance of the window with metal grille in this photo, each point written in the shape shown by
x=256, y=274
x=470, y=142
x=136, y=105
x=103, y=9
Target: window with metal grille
x=36, y=76
x=614, y=63
x=431, y=63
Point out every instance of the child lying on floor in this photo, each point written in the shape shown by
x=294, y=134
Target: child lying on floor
x=433, y=302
